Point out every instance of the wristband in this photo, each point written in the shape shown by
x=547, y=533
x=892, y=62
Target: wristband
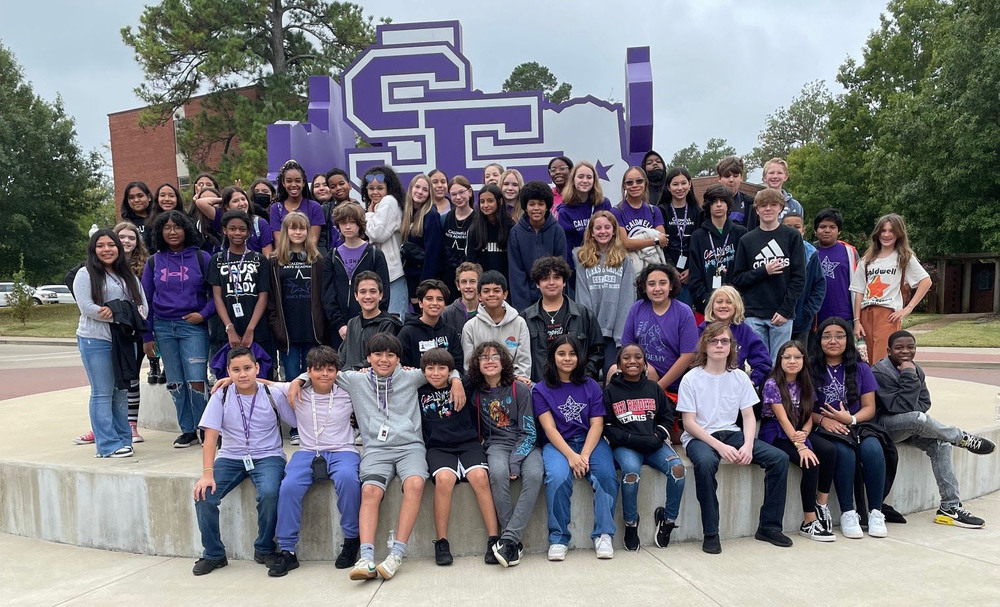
x=207, y=469
x=854, y=421
x=230, y=326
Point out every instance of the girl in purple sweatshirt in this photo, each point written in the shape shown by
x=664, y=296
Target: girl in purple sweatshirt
x=726, y=305
x=180, y=302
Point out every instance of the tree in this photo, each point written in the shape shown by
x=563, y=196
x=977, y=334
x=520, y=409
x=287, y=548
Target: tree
x=699, y=162
x=803, y=121
x=21, y=298
x=47, y=183
x=188, y=46
x=534, y=77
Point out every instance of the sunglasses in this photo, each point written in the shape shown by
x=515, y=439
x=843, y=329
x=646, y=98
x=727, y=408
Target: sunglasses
x=632, y=182
x=379, y=177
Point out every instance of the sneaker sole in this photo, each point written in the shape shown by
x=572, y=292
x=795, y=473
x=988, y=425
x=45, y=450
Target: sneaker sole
x=854, y=537
x=943, y=519
x=80, y=441
x=360, y=576
x=186, y=445
x=557, y=557
x=382, y=572
x=818, y=538
x=500, y=560
x=137, y=439
x=605, y=556
x=121, y=455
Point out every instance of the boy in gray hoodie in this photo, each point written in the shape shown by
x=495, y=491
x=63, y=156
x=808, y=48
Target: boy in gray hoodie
x=500, y=322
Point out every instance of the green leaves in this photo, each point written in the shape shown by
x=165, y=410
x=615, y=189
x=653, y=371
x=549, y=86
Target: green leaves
x=702, y=162
x=533, y=76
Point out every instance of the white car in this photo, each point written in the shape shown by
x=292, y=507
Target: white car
x=40, y=296
x=63, y=294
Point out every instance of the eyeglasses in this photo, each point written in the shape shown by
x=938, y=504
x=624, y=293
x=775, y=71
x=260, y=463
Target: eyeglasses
x=834, y=337
x=792, y=357
x=720, y=341
x=491, y=358
x=172, y=228
x=379, y=177
x=558, y=169
x=631, y=182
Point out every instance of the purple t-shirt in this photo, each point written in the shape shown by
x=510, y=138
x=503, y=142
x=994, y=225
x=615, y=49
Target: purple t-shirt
x=837, y=271
x=633, y=219
x=574, y=220
x=572, y=405
x=664, y=338
x=351, y=257
x=770, y=429
x=830, y=386
x=262, y=421
x=260, y=233
x=310, y=208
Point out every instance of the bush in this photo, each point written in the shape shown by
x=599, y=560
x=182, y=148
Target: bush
x=21, y=299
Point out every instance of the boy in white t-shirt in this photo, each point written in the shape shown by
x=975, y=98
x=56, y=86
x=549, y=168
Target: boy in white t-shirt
x=710, y=398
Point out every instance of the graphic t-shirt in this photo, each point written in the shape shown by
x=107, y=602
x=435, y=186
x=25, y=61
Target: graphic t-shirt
x=572, y=405
x=663, y=337
x=296, y=299
x=830, y=387
x=879, y=281
x=770, y=428
x=680, y=223
x=242, y=278
x=634, y=220
x=554, y=325
x=836, y=266
x=351, y=257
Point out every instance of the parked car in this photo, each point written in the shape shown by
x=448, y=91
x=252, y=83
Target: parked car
x=38, y=295
x=63, y=294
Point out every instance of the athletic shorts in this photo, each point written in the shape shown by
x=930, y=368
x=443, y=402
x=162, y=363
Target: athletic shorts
x=458, y=460
x=379, y=466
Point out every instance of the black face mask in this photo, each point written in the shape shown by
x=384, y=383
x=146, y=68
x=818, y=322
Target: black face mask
x=261, y=199
x=656, y=175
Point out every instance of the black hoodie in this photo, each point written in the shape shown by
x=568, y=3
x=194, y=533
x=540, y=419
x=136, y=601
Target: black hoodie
x=418, y=337
x=359, y=331
x=709, y=250
x=655, y=189
x=639, y=415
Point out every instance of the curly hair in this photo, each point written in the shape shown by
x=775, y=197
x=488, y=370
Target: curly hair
x=544, y=266
x=191, y=235
x=668, y=269
x=393, y=187
x=291, y=165
x=477, y=381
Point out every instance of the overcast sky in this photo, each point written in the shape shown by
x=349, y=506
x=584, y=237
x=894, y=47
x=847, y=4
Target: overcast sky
x=719, y=66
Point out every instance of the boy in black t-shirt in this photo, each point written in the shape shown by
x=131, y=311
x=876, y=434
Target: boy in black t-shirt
x=240, y=280
x=454, y=452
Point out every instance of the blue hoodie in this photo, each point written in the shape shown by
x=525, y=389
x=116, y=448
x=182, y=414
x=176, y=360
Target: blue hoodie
x=524, y=247
x=179, y=287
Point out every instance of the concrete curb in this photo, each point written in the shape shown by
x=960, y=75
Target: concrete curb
x=38, y=341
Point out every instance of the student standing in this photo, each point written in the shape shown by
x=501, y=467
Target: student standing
x=731, y=171
x=455, y=239
x=102, y=286
x=466, y=305
x=135, y=207
x=726, y=306
x=769, y=270
x=570, y=409
x=815, y=287
x=639, y=420
x=775, y=176
x=837, y=261
x=605, y=282
x=582, y=197
x=710, y=399
x=427, y=331
x=655, y=169
x=537, y=234
x=439, y=193
x=877, y=284
x=293, y=195
x=510, y=184
x=136, y=255
x=383, y=200
x=180, y=300
x=492, y=173
x=340, y=192
x=506, y=425
x=420, y=233
x=640, y=223
x=559, y=168
x=490, y=231
x=682, y=215
x=368, y=288
x=261, y=238
x=498, y=321
x=713, y=246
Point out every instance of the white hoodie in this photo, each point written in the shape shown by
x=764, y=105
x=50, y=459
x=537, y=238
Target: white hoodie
x=382, y=228
x=511, y=331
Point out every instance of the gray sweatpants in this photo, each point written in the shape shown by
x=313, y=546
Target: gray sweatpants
x=514, y=516
x=933, y=438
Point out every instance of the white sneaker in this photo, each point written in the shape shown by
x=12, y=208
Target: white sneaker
x=876, y=524
x=603, y=548
x=364, y=569
x=850, y=525
x=557, y=552
x=389, y=566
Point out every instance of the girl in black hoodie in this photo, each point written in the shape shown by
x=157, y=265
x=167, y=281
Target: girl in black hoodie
x=638, y=428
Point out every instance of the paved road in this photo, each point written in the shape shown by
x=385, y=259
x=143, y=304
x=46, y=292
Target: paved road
x=29, y=369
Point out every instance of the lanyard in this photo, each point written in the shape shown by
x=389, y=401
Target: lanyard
x=329, y=407
x=246, y=418
x=235, y=269
x=719, y=251
x=120, y=285
x=681, y=229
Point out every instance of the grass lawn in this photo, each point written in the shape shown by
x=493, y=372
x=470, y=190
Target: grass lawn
x=916, y=319
x=965, y=334
x=52, y=320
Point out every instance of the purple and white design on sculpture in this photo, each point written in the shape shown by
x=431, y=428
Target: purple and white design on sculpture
x=411, y=96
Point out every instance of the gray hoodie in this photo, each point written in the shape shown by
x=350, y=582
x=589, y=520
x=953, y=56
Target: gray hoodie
x=511, y=331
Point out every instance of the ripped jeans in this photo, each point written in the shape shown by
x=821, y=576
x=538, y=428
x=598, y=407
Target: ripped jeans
x=663, y=459
x=184, y=350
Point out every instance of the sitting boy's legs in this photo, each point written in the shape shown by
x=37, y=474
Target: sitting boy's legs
x=514, y=516
x=916, y=423
x=706, y=463
x=944, y=472
x=266, y=476
x=229, y=473
x=342, y=466
x=444, y=487
x=298, y=479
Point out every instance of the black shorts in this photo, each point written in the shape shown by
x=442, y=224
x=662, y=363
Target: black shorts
x=459, y=460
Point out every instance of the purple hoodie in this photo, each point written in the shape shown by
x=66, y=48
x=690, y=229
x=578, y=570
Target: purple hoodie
x=573, y=219
x=752, y=349
x=179, y=288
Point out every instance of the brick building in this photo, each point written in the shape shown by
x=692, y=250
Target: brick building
x=150, y=154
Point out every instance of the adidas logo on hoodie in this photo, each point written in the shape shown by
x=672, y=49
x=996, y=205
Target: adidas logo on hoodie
x=770, y=251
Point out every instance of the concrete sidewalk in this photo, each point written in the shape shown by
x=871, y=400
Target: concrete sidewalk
x=919, y=563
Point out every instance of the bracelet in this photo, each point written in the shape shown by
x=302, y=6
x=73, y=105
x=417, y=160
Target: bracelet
x=802, y=449
x=230, y=326
x=207, y=469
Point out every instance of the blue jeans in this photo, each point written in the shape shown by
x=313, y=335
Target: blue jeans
x=663, y=459
x=772, y=336
x=184, y=349
x=293, y=362
x=872, y=469
x=108, y=407
x=559, y=489
x=229, y=473
x=706, y=464
x=399, y=297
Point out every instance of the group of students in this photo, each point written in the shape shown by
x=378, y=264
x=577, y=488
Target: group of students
x=595, y=293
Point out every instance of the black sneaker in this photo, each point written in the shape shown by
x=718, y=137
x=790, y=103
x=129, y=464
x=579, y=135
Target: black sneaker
x=663, y=529
x=293, y=436
x=508, y=553
x=204, y=566
x=442, y=552
x=186, y=440
x=264, y=559
x=348, y=553
x=977, y=444
x=892, y=515
x=632, y=537
x=154, y=372
x=824, y=517
x=283, y=563
x=711, y=544
x=161, y=378
x=490, y=558
x=959, y=517
x=774, y=537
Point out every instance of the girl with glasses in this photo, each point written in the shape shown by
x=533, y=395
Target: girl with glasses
x=382, y=196
x=456, y=229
